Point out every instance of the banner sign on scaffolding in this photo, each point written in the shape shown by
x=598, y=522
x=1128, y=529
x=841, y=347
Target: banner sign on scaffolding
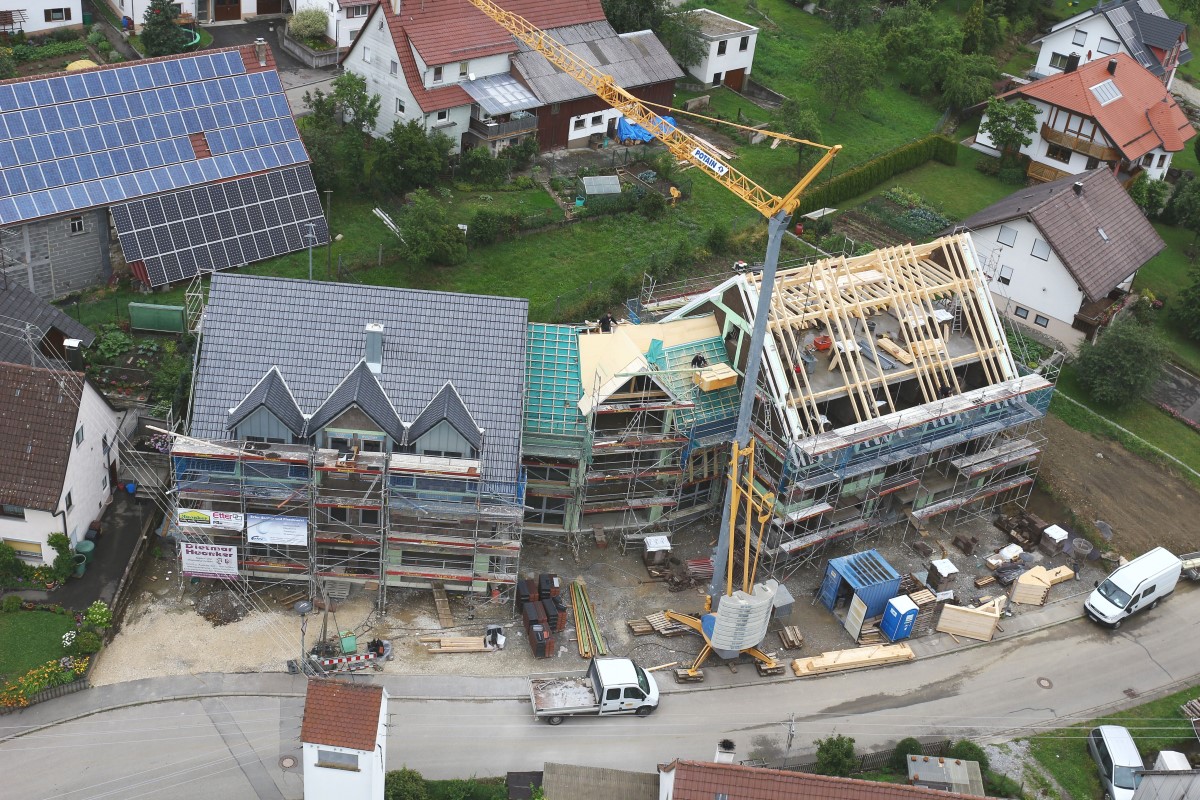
x=225, y=520
x=266, y=529
x=209, y=560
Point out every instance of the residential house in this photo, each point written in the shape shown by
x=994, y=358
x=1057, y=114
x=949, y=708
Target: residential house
x=173, y=166
x=1111, y=111
x=455, y=71
x=344, y=740
x=1137, y=28
x=887, y=392
x=58, y=459
x=41, y=18
x=1058, y=255
x=362, y=434
x=35, y=333
x=729, y=44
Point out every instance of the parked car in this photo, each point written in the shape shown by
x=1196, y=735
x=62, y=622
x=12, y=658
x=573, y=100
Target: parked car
x=1140, y=584
x=1117, y=760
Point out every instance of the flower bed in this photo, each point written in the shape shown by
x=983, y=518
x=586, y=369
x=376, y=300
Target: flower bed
x=25, y=689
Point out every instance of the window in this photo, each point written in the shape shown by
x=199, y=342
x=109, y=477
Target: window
x=255, y=439
x=442, y=116
x=104, y=444
x=357, y=11
x=1007, y=236
x=1005, y=276
x=339, y=514
x=721, y=45
x=1162, y=160
x=353, y=35
x=394, y=68
x=1148, y=160
x=744, y=44
x=1080, y=38
x=340, y=443
x=634, y=693
x=1108, y=46
x=58, y=15
x=716, y=77
x=399, y=106
x=1021, y=313
x=369, y=516
x=104, y=481
x=79, y=436
x=1106, y=92
x=1040, y=250
x=1040, y=321
x=554, y=108
x=545, y=510
x=17, y=512
x=76, y=225
x=437, y=74
x=1059, y=153
x=70, y=503
x=366, y=54
x=598, y=120
x=612, y=694
x=1092, y=163
x=372, y=446
x=335, y=760
x=464, y=69
x=1058, y=61
x=330, y=6
x=579, y=124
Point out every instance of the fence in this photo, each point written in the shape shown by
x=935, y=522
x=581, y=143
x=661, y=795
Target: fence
x=77, y=685
x=867, y=762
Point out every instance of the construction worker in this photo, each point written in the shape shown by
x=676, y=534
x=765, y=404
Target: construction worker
x=699, y=361
x=607, y=322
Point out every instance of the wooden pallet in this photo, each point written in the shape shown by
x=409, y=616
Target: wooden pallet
x=445, y=617
x=791, y=638
x=984, y=580
x=455, y=644
x=923, y=597
x=683, y=676
x=640, y=627
x=855, y=658
x=666, y=627
x=767, y=672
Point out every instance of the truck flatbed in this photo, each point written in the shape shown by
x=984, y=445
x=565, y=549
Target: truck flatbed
x=563, y=693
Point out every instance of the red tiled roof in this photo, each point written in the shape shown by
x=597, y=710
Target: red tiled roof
x=341, y=714
x=703, y=780
x=246, y=51
x=428, y=99
x=1144, y=117
x=38, y=410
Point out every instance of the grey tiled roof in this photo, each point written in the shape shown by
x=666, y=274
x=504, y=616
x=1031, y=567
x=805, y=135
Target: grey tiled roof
x=634, y=59
x=313, y=332
x=38, y=411
x=273, y=394
x=447, y=405
x=20, y=307
x=360, y=388
x=1071, y=224
x=1159, y=32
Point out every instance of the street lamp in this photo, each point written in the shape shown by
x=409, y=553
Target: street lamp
x=312, y=237
x=303, y=607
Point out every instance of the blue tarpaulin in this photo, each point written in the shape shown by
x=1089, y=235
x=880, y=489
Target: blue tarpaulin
x=627, y=130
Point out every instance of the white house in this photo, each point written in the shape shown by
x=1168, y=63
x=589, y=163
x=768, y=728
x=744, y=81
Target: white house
x=1138, y=28
x=58, y=457
x=344, y=736
x=1058, y=255
x=1112, y=112
x=41, y=17
x=730, y=56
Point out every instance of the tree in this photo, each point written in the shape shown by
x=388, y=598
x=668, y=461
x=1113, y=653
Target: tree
x=844, y=66
x=677, y=30
x=404, y=784
x=408, y=158
x=1121, y=366
x=1190, y=9
x=796, y=118
x=968, y=80
x=160, y=35
x=310, y=22
x=352, y=99
x=427, y=232
x=972, y=29
x=1009, y=125
x=845, y=15
x=904, y=748
x=835, y=756
x=1149, y=195
x=1185, y=310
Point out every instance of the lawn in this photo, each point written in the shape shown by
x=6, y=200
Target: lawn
x=1166, y=275
x=29, y=639
x=527, y=202
x=1155, y=726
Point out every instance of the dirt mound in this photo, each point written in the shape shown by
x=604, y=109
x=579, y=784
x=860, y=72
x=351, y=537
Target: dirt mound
x=221, y=608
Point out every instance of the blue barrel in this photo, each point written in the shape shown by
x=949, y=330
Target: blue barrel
x=899, y=616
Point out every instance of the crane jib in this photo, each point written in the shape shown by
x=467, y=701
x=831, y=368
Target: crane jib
x=708, y=161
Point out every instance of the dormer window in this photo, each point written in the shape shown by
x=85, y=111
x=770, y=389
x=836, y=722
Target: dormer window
x=437, y=74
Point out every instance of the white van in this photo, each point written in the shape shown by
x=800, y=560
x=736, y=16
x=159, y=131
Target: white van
x=1139, y=584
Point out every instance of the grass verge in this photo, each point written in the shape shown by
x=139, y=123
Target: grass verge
x=29, y=639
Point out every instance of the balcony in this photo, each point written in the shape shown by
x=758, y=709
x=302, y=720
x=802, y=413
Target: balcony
x=1044, y=173
x=491, y=129
x=1079, y=145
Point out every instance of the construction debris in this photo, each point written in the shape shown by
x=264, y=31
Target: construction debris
x=856, y=658
x=972, y=623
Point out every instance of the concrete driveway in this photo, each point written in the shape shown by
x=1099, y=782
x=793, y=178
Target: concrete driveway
x=295, y=76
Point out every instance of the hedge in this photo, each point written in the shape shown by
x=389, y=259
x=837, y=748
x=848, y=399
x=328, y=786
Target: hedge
x=866, y=176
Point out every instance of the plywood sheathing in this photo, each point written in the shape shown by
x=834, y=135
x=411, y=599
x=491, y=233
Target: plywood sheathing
x=1032, y=587
x=972, y=623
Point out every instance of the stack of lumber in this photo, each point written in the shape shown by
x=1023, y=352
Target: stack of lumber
x=587, y=626
x=972, y=623
x=791, y=638
x=855, y=658
x=666, y=627
x=1034, y=585
x=456, y=644
x=640, y=627
x=870, y=633
x=445, y=618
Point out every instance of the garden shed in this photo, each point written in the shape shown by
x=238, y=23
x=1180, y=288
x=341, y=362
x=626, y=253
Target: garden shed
x=600, y=185
x=866, y=576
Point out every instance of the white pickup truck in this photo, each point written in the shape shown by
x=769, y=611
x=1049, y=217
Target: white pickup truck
x=607, y=686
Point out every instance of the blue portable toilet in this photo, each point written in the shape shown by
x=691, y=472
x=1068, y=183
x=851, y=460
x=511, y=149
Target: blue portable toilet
x=865, y=574
x=899, y=616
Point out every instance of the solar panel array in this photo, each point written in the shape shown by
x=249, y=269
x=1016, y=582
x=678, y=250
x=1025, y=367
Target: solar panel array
x=95, y=138
x=228, y=224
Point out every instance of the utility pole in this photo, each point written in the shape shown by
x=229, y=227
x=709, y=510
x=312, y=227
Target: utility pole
x=312, y=237
x=791, y=732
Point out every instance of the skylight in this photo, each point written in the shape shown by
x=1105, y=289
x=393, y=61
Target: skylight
x=1106, y=92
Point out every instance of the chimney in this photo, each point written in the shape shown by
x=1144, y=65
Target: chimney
x=1112, y=66
x=725, y=752
x=73, y=355
x=260, y=50
x=1078, y=187
x=1072, y=62
x=374, y=348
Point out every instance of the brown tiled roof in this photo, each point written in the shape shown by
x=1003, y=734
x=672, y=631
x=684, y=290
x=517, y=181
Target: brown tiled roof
x=429, y=100
x=38, y=410
x=1144, y=117
x=571, y=782
x=341, y=714
x=703, y=780
x=1071, y=224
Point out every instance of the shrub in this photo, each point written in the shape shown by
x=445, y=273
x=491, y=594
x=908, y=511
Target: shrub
x=98, y=615
x=718, y=238
x=86, y=643
x=969, y=751
x=404, y=784
x=309, y=22
x=652, y=206
x=112, y=343
x=16, y=694
x=905, y=748
x=868, y=175
x=10, y=604
x=835, y=756
x=95, y=38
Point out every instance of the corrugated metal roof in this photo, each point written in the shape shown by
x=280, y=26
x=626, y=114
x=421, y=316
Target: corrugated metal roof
x=572, y=782
x=500, y=94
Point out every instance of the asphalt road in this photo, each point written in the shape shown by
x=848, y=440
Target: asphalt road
x=231, y=747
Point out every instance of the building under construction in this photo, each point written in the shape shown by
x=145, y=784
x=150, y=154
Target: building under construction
x=356, y=434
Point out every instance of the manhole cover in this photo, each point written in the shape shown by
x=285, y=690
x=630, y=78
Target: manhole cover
x=1045, y=683
x=287, y=762
x=1130, y=693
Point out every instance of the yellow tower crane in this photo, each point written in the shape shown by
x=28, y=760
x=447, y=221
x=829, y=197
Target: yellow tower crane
x=725, y=636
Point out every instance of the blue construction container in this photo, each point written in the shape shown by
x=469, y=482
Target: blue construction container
x=867, y=575
x=899, y=616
